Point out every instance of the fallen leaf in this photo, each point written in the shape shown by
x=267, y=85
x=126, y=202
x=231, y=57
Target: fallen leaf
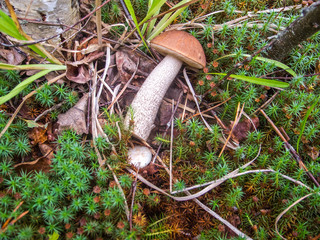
x=12, y=56
x=77, y=73
x=75, y=118
x=241, y=130
x=127, y=61
x=313, y=152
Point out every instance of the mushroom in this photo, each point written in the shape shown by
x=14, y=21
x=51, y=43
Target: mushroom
x=178, y=47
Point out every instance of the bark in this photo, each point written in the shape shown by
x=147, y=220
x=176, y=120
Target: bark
x=298, y=31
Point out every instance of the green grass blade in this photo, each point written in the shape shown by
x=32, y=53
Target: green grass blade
x=8, y=27
x=305, y=121
x=260, y=81
x=133, y=15
x=22, y=86
x=166, y=20
x=153, y=6
x=51, y=67
x=262, y=59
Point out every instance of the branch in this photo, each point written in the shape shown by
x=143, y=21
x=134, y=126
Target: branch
x=298, y=31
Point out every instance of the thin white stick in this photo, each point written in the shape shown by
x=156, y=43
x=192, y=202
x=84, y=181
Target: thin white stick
x=103, y=78
x=171, y=146
x=286, y=210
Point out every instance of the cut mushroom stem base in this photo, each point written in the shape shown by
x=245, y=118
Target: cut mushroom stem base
x=147, y=101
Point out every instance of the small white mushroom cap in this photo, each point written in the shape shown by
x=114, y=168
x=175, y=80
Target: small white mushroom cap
x=139, y=156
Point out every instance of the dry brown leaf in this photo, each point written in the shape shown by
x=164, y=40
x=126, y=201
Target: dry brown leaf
x=313, y=152
x=127, y=63
x=78, y=74
x=241, y=130
x=75, y=118
x=12, y=56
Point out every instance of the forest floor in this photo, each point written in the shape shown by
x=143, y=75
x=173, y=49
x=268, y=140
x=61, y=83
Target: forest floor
x=235, y=145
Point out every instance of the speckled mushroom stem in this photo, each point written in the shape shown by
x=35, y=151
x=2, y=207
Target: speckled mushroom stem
x=147, y=101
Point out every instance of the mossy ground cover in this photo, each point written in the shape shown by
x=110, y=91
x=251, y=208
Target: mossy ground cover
x=78, y=199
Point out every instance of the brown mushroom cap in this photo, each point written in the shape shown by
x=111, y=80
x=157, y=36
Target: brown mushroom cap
x=181, y=45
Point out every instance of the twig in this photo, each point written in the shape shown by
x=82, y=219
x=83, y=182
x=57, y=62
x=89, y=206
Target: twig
x=126, y=208
x=290, y=149
x=132, y=201
x=5, y=225
x=286, y=210
x=267, y=102
x=25, y=99
x=207, y=110
x=171, y=146
x=98, y=22
x=169, y=123
x=198, y=107
x=49, y=110
x=235, y=123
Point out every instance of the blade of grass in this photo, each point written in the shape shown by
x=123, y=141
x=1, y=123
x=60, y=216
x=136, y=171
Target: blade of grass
x=169, y=18
x=51, y=67
x=154, y=9
x=263, y=59
x=260, y=81
x=151, y=7
x=22, y=86
x=305, y=121
x=11, y=27
x=133, y=15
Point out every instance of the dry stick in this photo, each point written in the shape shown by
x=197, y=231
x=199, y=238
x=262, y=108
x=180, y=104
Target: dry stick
x=132, y=201
x=5, y=225
x=299, y=30
x=25, y=99
x=289, y=8
x=207, y=110
x=194, y=197
x=56, y=35
x=291, y=149
x=236, y=120
x=198, y=107
x=126, y=208
x=221, y=124
x=267, y=102
x=48, y=110
x=286, y=210
x=98, y=22
x=217, y=182
x=171, y=147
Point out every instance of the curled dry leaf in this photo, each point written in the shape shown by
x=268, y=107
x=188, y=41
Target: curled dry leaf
x=127, y=60
x=240, y=132
x=313, y=152
x=77, y=73
x=75, y=118
x=12, y=56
